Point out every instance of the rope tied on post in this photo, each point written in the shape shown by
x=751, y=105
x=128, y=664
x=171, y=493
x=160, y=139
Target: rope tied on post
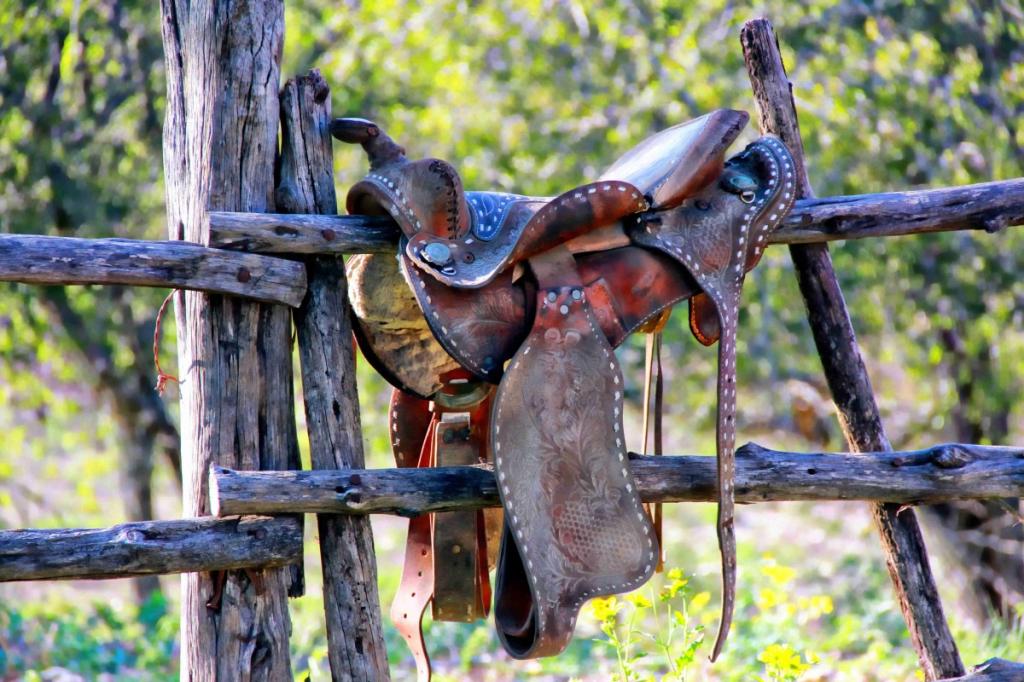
x=162, y=377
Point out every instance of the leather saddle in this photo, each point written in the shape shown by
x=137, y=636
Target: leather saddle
x=497, y=327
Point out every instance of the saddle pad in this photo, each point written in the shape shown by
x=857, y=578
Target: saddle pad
x=575, y=526
x=389, y=327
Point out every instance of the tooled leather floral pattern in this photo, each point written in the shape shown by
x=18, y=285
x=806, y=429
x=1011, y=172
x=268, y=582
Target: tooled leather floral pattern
x=584, y=502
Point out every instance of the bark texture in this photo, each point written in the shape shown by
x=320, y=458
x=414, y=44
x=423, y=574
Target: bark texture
x=303, y=233
x=902, y=542
x=71, y=260
x=351, y=603
x=989, y=206
x=220, y=138
x=993, y=670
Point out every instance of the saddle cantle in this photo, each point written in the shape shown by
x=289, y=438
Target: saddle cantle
x=533, y=294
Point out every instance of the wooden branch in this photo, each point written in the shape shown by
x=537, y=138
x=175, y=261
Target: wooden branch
x=993, y=670
x=829, y=319
x=174, y=265
x=937, y=474
x=990, y=206
x=149, y=547
x=355, y=638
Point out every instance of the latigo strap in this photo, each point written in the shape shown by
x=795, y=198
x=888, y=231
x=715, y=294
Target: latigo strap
x=412, y=428
x=446, y=560
x=462, y=588
x=654, y=382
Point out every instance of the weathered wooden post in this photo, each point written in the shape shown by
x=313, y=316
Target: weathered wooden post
x=220, y=139
x=355, y=642
x=902, y=542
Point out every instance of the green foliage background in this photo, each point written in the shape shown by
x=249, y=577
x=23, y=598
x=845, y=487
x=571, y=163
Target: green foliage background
x=536, y=96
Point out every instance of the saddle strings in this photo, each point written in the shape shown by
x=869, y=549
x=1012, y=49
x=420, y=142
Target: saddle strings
x=653, y=376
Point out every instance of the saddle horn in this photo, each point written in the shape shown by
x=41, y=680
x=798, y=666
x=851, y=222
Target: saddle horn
x=424, y=196
x=379, y=146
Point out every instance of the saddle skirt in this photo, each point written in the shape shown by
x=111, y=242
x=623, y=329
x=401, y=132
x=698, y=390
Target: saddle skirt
x=533, y=294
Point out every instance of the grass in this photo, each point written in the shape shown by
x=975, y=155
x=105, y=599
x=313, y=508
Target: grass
x=814, y=603
x=798, y=619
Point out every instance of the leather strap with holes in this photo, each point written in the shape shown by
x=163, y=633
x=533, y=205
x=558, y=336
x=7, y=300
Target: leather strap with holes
x=411, y=425
x=653, y=378
x=717, y=236
x=443, y=432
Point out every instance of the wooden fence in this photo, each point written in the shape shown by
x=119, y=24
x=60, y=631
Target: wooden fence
x=240, y=463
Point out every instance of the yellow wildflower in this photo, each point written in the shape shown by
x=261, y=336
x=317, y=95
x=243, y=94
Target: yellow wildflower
x=768, y=598
x=676, y=582
x=605, y=608
x=780, y=575
x=817, y=606
x=640, y=601
x=699, y=601
x=782, y=658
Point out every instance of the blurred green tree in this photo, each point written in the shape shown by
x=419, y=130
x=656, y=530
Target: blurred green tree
x=534, y=96
x=81, y=94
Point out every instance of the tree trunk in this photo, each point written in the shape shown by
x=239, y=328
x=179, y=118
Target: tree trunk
x=220, y=138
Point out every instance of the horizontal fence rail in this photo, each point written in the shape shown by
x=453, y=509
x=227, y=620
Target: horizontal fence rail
x=992, y=670
x=940, y=473
x=225, y=268
x=989, y=206
x=150, y=547
x=179, y=265
x=303, y=233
